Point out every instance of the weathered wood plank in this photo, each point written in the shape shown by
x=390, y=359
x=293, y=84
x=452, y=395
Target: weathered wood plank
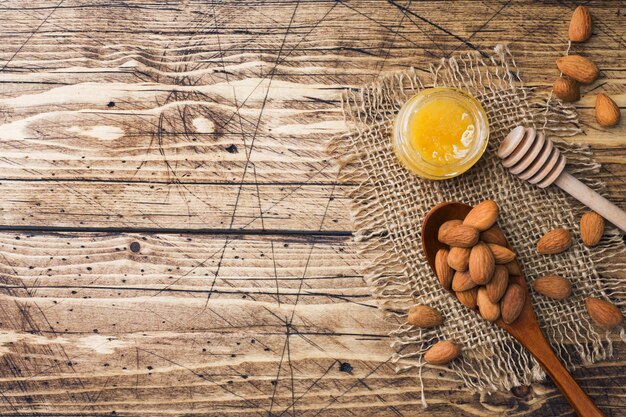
x=189, y=325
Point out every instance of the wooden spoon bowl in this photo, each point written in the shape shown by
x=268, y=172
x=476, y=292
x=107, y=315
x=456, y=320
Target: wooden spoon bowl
x=526, y=328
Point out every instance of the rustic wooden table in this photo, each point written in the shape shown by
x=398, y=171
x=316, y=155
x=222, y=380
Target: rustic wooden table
x=174, y=240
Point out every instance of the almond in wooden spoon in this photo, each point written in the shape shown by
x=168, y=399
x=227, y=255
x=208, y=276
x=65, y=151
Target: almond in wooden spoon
x=458, y=258
x=443, y=271
x=481, y=264
x=483, y=216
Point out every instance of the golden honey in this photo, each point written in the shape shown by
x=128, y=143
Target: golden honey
x=440, y=133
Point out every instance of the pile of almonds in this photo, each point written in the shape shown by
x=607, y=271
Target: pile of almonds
x=578, y=70
x=477, y=265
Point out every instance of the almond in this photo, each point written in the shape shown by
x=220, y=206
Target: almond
x=501, y=254
x=443, y=229
x=498, y=284
x=442, y=269
x=591, y=228
x=461, y=235
x=458, y=258
x=580, y=25
x=513, y=268
x=607, y=112
x=555, y=241
x=553, y=286
x=566, y=89
x=483, y=216
x=488, y=310
x=603, y=313
x=493, y=235
x=512, y=303
x=578, y=67
x=468, y=298
x=462, y=281
x=442, y=353
x=424, y=317
x=481, y=264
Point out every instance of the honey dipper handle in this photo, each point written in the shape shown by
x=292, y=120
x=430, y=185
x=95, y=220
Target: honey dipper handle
x=591, y=199
x=580, y=402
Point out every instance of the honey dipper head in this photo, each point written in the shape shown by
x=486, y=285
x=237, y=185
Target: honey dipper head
x=531, y=156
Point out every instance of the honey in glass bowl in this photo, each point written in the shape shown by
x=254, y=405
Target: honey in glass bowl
x=440, y=133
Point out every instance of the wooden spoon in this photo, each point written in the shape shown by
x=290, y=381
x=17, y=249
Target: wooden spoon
x=526, y=328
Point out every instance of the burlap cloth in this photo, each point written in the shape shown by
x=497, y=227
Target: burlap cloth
x=389, y=204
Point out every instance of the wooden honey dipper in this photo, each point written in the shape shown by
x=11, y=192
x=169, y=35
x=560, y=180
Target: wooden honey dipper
x=532, y=157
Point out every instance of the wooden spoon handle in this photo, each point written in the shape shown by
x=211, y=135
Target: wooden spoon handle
x=580, y=402
x=591, y=199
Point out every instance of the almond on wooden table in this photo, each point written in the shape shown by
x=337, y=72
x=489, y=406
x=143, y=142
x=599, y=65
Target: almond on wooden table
x=460, y=235
x=501, y=254
x=482, y=216
x=468, y=298
x=579, y=68
x=493, y=235
x=462, y=281
x=607, y=111
x=591, y=228
x=458, y=258
x=512, y=303
x=442, y=353
x=553, y=286
x=424, y=316
x=498, y=284
x=580, y=27
x=443, y=271
x=567, y=89
x=603, y=313
x=481, y=263
x=555, y=241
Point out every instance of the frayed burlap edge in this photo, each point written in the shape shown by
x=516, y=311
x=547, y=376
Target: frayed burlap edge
x=388, y=205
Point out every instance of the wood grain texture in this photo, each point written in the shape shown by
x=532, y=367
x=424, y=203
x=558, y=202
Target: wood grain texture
x=173, y=239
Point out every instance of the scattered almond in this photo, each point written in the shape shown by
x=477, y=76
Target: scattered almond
x=481, y=264
x=591, y=228
x=462, y=281
x=424, y=316
x=553, y=286
x=512, y=303
x=603, y=313
x=442, y=353
x=468, y=298
x=578, y=67
x=442, y=269
x=580, y=26
x=498, y=284
x=482, y=216
x=513, y=268
x=458, y=258
x=555, y=241
x=501, y=254
x=489, y=310
x=461, y=235
x=607, y=112
x=493, y=235
x=567, y=89
x=444, y=228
